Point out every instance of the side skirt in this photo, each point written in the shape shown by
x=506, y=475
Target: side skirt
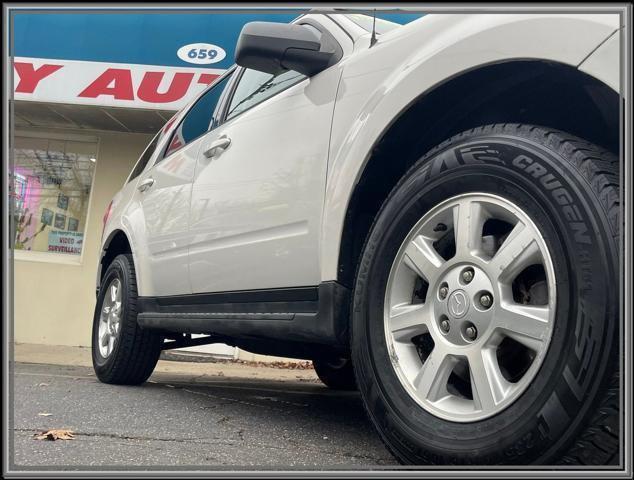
x=304, y=318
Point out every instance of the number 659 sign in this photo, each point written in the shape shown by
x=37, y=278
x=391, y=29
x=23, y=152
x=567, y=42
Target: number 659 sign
x=201, y=53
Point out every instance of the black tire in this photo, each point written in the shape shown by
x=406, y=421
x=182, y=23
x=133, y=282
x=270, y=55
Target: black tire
x=570, y=411
x=336, y=373
x=135, y=351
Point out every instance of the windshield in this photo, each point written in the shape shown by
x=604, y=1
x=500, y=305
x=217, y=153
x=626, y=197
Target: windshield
x=365, y=22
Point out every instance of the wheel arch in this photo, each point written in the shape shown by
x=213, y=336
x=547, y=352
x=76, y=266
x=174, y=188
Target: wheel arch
x=540, y=92
x=117, y=243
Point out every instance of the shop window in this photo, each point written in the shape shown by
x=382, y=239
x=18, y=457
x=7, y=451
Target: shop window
x=52, y=180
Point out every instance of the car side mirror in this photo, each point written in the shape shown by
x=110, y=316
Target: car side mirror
x=275, y=47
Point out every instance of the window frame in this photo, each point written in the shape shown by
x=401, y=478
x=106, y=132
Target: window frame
x=240, y=71
x=54, y=257
x=226, y=112
x=155, y=137
x=162, y=155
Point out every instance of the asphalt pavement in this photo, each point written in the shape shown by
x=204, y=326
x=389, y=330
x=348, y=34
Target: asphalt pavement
x=193, y=421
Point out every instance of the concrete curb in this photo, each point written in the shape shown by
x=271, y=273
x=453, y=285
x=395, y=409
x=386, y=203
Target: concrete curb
x=81, y=356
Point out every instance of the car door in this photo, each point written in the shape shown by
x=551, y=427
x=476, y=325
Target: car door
x=165, y=191
x=259, y=184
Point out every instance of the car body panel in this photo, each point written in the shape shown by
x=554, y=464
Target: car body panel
x=256, y=207
x=160, y=246
x=280, y=224
x=165, y=208
x=603, y=63
x=378, y=83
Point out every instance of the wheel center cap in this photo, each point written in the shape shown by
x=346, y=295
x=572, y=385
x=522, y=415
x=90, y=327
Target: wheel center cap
x=458, y=304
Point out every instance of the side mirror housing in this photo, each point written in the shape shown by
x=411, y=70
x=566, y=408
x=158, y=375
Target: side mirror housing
x=274, y=47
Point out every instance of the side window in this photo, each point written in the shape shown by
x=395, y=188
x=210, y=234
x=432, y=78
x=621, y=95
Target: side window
x=145, y=157
x=198, y=120
x=255, y=87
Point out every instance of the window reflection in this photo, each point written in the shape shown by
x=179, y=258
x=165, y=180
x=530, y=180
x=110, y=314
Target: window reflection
x=50, y=188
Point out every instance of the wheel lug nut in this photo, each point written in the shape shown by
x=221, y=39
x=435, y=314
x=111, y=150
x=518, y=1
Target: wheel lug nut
x=467, y=275
x=444, y=325
x=471, y=333
x=486, y=300
x=443, y=292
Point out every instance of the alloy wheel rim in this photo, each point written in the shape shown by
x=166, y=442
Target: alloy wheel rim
x=110, y=318
x=470, y=307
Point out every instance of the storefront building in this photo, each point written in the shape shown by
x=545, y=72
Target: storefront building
x=90, y=91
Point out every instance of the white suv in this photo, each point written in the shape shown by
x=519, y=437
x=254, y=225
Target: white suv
x=435, y=205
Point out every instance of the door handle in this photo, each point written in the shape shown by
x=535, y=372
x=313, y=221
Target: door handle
x=217, y=146
x=145, y=184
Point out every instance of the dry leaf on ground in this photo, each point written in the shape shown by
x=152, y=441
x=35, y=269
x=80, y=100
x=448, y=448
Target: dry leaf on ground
x=301, y=365
x=55, y=434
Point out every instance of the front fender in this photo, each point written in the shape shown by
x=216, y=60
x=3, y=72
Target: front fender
x=379, y=83
x=603, y=64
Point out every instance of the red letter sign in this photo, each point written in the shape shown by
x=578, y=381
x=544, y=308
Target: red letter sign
x=121, y=89
x=29, y=77
x=148, y=90
x=207, y=78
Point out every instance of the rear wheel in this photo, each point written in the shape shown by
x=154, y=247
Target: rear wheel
x=485, y=320
x=122, y=352
x=335, y=373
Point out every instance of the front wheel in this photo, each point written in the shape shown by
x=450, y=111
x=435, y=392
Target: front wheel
x=485, y=319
